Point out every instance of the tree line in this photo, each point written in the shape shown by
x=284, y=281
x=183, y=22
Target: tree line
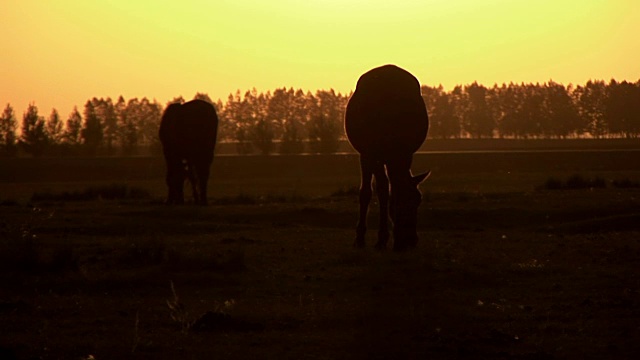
x=289, y=121
x=535, y=111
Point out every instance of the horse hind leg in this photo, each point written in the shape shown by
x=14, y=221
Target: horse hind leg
x=382, y=190
x=366, y=171
x=175, y=181
x=202, y=179
x=191, y=176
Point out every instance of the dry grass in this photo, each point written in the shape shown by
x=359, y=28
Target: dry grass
x=516, y=273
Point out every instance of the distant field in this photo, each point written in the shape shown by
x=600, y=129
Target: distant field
x=321, y=175
x=430, y=145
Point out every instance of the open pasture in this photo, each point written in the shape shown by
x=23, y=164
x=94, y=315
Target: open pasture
x=505, y=267
x=320, y=175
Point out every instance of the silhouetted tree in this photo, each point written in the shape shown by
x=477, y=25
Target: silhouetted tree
x=72, y=132
x=287, y=116
x=458, y=102
x=225, y=130
x=532, y=113
x=282, y=121
x=54, y=128
x=105, y=111
x=139, y=122
x=243, y=145
x=279, y=110
x=622, y=109
x=631, y=103
x=237, y=116
x=251, y=125
x=146, y=116
x=478, y=122
x=325, y=123
x=508, y=109
x=202, y=96
x=34, y=139
x=429, y=95
x=177, y=99
x=262, y=128
x=127, y=134
x=8, y=125
x=225, y=122
x=591, y=99
x=493, y=103
x=443, y=122
x=561, y=118
x=262, y=136
x=92, y=131
x=295, y=129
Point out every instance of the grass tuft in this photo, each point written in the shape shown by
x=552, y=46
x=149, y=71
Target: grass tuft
x=154, y=252
x=145, y=253
x=579, y=182
x=23, y=251
x=347, y=191
x=27, y=255
x=228, y=261
x=106, y=192
x=9, y=202
x=574, y=182
x=240, y=199
x=626, y=184
x=217, y=319
x=243, y=199
x=553, y=183
x=178, y=311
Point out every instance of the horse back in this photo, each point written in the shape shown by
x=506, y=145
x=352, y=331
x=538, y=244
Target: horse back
x=386, y=114
x=190, y=128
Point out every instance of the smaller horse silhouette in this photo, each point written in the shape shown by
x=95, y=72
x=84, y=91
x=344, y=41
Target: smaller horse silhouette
x=386, y=121
x=188, y=135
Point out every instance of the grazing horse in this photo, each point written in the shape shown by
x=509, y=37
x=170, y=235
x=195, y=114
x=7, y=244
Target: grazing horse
x=188, y=135
x=386, y=121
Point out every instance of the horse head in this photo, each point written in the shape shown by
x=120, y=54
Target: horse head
x=405, y=200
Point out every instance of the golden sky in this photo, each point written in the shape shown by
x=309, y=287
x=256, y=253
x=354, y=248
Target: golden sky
x=61, y=53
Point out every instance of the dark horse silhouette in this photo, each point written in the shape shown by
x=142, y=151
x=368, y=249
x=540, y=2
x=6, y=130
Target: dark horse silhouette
x=386, y=121
x=188, y=135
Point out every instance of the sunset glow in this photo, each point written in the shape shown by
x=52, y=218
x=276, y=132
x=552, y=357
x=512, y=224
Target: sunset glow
x=59, y=54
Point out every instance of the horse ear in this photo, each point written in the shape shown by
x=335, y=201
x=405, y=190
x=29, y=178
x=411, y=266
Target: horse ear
x=418, y=179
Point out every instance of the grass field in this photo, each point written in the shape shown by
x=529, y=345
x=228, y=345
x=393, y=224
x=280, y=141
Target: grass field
x=507, y=266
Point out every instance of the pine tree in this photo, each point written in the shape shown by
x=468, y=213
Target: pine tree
x=91, y=132
x=54, y=129
x=106, y=114
x=73, y=127
x=34, y=139
x=8, y=125
x=203, y=96
x=127, y=130
x=325, y=124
